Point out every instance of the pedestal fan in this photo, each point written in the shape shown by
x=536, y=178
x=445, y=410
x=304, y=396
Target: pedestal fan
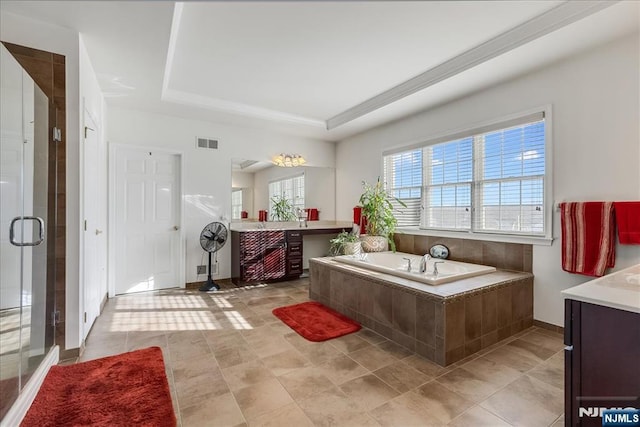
x=212, y=238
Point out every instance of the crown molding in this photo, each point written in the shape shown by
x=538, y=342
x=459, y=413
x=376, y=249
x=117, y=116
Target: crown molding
x=192, y=99
x=560, y=16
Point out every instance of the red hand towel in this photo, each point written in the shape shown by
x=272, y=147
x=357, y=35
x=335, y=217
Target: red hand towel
x=628, y=219
x=588, y=239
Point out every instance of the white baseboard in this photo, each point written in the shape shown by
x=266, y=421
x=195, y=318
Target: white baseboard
x=20, y=407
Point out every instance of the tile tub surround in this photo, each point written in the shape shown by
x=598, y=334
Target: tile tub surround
x=504, y=256
x=443, y=323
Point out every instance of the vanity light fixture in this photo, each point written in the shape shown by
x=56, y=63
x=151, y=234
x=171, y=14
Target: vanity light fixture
x=289, y=160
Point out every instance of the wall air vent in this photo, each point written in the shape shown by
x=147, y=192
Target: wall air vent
x=208, y=143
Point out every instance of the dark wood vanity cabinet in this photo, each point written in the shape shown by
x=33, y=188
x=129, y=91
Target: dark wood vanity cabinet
x=270, y=255
x=602, y=361
x=267, y=255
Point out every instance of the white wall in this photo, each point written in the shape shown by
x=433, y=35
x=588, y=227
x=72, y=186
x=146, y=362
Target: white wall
x=40, y=35
x=319, y=188
x=595, y=135
x=207, y=173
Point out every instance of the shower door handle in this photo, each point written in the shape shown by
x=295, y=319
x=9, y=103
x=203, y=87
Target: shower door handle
x=12, y=236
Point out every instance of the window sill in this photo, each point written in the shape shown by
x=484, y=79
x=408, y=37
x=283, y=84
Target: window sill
x=506, y=238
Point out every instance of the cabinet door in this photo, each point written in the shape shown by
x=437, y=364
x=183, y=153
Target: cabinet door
x=251, y=247
x=274, y=262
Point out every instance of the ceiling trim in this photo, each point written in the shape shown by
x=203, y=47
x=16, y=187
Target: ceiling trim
x=545, y=23
x=191, y=99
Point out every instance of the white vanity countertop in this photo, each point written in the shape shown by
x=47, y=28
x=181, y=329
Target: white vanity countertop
x=619, y=290
x=289, y=225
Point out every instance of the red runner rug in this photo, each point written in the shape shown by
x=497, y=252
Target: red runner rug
x=315, y=321
x=123, y=390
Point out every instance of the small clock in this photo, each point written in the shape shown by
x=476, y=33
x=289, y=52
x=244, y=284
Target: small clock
x=439, y=251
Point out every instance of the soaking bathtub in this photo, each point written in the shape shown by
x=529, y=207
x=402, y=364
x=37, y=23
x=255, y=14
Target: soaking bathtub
x=396, y=263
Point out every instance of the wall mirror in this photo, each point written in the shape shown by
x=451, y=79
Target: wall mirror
x=256, y=185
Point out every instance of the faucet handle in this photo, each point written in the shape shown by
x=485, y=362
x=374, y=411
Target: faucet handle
x=408, y=263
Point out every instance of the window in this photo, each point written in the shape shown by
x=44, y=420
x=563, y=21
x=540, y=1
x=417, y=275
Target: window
x=403, y=178
x=491, y=180
x=236, y=204
x=292, y=189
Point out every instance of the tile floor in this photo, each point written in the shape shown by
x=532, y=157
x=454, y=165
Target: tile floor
x=230, y=362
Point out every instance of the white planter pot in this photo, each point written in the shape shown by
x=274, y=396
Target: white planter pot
x=352, y=248
x=374, y=243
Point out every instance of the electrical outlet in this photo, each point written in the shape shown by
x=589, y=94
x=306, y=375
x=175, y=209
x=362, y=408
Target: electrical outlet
x=201, y=269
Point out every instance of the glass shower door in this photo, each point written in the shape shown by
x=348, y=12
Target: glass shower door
x=26, y=331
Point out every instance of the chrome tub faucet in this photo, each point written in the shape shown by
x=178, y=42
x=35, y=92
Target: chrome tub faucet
x=423, y=263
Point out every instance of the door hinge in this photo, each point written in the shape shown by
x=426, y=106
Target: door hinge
x=55, y=317
x=85, y=317
x=57, y=135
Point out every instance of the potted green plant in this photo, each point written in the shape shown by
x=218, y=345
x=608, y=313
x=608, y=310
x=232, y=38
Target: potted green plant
x=282, y=209
x=345, y=243
x=378, y=210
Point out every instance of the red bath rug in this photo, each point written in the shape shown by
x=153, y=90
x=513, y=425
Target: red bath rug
x=124, y=390
x=316, y=322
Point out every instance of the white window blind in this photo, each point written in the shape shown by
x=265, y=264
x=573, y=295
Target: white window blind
x=292, y=189
x=236, y=204
x=510, y=184
x=403, y=180
x=449, y=174
x=487, y=180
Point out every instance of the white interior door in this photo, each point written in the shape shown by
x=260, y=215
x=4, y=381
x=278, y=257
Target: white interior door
x=94, y=268
x=147, y=220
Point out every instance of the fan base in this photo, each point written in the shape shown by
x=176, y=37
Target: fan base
x=209, y=285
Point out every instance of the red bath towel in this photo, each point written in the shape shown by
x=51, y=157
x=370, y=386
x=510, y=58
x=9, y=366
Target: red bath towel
x=588, y=239
x=628, y=219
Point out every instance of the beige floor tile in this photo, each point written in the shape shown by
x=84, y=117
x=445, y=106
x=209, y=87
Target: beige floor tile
x=331, y=408
x=269, y=346
x=492, y=372
x=200, y=389
x=232, y=356
x=182, y=351
x=320, y=353
x=467, y=384
x=189, y=368
x=425, y=366
x=509, y=356
x=289, y=415
x=285, y=362
x=401, y=376
x=260, y=398
x=478, y=417
x=551, y=371
x=407, y=410
x=559, y=422
x=441, y=402
x=372, y=357
x=253, y=358
x=221, y=411
x=550, y=341
x=394, y=349
x=140, y=340
x=342, y=369
x=305, y=382
x=349, y=343
x=528, y=402
x=368, y=391
x=246, y=374
x=370, y=336
x=531, y=350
